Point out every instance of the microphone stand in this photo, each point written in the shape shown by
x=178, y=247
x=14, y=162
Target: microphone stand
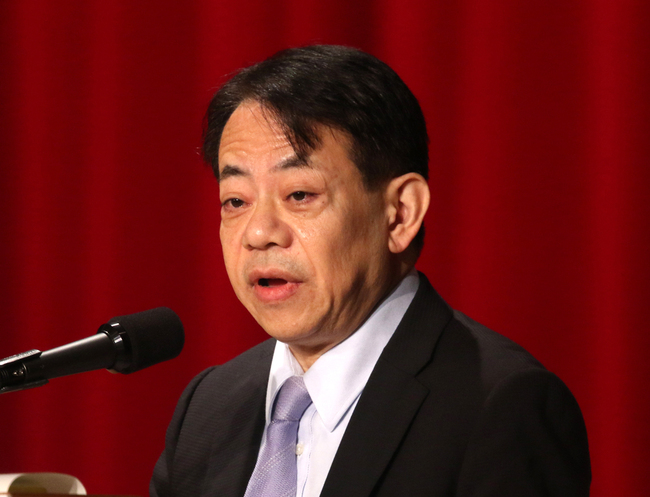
x=106, y=349
x=13, y=373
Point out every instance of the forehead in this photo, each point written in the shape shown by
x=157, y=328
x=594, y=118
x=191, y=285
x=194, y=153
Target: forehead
x=252, y=138
x=254, y=128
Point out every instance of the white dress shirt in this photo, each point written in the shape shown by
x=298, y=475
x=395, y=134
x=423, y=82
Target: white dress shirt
x=335, y=382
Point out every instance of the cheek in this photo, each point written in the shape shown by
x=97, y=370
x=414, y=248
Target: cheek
x=229, y=246
x=331, y=244
x=313, y=232
x=225, y=239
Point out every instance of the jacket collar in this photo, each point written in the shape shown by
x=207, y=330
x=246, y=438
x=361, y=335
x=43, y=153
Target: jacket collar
x=390, y=399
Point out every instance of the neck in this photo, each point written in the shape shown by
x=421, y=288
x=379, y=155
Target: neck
x=308, y=354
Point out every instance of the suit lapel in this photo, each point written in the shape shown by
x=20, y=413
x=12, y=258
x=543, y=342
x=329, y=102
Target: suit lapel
x=237, y=439
x=390, y=399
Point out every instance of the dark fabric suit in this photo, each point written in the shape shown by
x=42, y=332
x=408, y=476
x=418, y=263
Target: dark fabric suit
x=451, y=409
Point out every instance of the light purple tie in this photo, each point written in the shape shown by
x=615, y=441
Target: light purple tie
x=275, y=471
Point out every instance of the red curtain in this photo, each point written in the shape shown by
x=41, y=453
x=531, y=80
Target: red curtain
x=538, y=113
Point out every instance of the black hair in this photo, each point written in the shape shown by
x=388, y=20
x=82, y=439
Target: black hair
x=339, y=87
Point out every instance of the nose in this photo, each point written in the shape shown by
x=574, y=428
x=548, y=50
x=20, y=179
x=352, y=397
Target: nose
x=265, y=228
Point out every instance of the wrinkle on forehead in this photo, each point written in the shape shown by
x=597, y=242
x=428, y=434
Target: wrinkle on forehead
x=248, y=132
x=254, y=119
x=257, y=118
x=293, y=162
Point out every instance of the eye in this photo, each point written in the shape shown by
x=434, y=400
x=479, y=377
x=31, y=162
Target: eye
x=299, y=196
x=234, y=203
x=301, y=199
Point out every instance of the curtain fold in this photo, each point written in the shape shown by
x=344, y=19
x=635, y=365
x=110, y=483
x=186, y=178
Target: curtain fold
x=539, y=117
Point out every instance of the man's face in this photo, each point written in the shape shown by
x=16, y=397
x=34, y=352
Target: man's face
x=305, y=245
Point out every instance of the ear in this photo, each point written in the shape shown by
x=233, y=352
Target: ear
x=407, y=200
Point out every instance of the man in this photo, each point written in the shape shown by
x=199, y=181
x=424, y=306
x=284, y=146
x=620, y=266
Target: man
x=321, y=157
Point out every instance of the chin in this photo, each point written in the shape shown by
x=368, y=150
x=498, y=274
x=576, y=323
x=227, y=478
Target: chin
x=288, y=335
x=282, y=333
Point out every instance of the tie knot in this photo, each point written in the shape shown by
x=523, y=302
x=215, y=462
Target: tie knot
x=293, y=398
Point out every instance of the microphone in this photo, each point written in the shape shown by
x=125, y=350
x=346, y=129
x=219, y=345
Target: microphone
x=124, y=344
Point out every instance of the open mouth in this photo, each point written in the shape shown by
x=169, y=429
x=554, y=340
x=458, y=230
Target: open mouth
x=271, y=282
x=272, y=288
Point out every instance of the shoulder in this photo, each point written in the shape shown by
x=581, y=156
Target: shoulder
x=434, y=341
x=213, y=389
x=216, y=399
x=475, y=370
x=238, y=368
x=514, y=424
x=496, y=356
x=528, y=436
x=247, y=369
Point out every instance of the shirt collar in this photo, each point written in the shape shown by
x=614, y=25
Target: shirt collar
x=338, y=377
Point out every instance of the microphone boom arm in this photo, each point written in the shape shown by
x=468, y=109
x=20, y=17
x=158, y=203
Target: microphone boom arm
x=107, y=349
x=125, y=344
x=13, y=373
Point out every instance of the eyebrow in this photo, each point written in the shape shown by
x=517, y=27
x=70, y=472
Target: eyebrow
x=229, y=171
x=289, y=163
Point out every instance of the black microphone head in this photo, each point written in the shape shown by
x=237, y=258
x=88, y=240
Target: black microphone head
x=152, y=336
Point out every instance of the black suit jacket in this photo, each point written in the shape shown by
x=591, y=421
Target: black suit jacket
x=450, y=409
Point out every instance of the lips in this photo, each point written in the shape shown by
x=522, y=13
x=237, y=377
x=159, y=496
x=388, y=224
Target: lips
x=273, y=285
